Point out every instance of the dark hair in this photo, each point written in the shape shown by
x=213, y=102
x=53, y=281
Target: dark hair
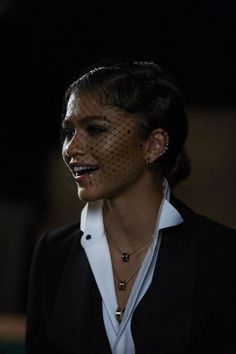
x=145, y=90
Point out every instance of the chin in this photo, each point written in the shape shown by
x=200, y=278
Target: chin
x=89, y=195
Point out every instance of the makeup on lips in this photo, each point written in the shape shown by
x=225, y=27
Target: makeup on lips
x=82, y=171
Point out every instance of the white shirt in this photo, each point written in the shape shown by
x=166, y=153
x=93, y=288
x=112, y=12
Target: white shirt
x=98, y=254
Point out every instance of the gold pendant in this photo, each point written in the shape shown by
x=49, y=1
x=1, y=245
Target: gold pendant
x=122, y=285
x=119, y=314
x=125, y=257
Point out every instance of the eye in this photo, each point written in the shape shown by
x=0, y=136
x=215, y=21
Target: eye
x=68, y=133
x=95, y=129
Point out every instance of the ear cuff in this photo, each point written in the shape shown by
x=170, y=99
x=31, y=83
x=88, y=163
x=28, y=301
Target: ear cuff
x=163, y=151
x=165, y=148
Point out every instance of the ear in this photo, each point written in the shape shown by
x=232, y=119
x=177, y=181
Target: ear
x=156, y=145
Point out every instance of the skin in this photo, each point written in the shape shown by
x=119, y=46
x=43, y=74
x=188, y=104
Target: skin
x=109, y=139
x=102, y=136
x=106, y=139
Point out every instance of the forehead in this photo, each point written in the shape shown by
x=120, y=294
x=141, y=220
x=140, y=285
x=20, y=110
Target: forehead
x=85, y=105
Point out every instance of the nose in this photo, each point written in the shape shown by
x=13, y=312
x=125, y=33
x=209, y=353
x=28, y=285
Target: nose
x=74, y=147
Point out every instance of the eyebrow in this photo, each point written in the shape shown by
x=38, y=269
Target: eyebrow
x=83, y=120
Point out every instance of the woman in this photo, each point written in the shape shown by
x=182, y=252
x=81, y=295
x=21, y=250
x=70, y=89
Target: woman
x=141, y=273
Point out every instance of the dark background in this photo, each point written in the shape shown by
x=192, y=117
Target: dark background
x=44, y=43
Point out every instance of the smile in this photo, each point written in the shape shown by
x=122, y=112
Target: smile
x=82, y=170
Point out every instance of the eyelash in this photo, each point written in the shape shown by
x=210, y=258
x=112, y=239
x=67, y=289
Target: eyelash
x=95, y=130
x=92, y=130
x=68, y=133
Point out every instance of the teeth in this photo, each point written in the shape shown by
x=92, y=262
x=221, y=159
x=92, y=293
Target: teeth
x=78, y=169
x=81, y=169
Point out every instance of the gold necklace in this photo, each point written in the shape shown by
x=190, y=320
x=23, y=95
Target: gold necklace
x=122, y=284
x=119, y=313
x=125, y=256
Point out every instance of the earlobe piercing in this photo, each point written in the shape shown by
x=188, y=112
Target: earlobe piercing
x=148, y=163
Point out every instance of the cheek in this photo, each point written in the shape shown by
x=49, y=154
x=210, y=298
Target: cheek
x=120, y=156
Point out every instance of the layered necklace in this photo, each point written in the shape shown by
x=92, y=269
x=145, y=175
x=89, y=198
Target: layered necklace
x=126, y=257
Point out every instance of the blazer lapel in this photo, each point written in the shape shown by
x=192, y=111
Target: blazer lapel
x=77, y=303
x=162, y=320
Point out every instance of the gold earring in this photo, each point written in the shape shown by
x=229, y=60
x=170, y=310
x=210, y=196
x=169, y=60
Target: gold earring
x=148, y=163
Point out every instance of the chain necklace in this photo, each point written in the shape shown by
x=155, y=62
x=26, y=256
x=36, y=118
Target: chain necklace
x=119, y=313
x=122, y=284
x=125, y=256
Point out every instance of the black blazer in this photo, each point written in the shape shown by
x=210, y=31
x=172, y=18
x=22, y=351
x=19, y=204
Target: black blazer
x=190, y=307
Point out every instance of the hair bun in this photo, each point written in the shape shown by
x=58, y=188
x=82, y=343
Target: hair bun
x=181, y=169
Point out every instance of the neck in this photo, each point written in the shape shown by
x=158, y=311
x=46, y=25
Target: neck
x=131, y=217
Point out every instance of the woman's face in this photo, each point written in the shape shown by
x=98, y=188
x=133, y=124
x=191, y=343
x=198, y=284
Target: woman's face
x=101, y=148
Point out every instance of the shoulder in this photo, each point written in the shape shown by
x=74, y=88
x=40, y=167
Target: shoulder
x=206, y=223
x=56, y=242
x=62, y=236
x=208, y=231
x=216, y=240
x=214, y=243
x=203, y=222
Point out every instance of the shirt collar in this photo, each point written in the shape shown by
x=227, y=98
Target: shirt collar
x=92, y=218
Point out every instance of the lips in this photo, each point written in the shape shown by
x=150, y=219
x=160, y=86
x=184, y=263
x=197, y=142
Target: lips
x=79, y=170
